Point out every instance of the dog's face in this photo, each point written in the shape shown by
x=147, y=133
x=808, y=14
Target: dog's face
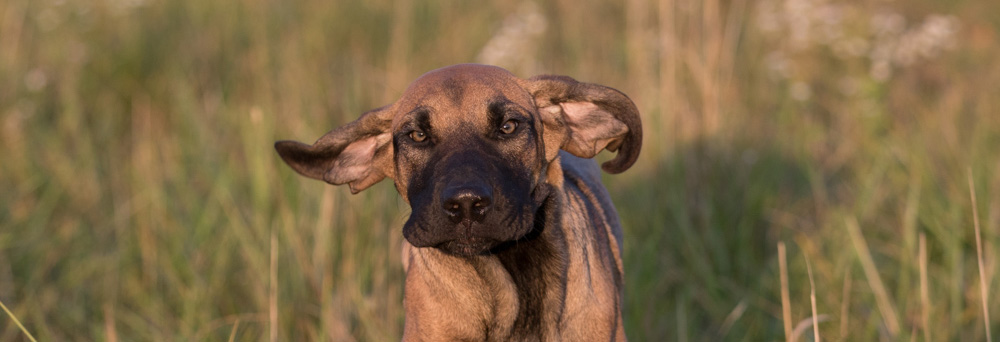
x=473, y=149
x=468, y=156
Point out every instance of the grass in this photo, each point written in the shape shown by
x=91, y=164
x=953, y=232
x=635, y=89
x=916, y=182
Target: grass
x=141, y=199
x=16, y=321
x=983, y=287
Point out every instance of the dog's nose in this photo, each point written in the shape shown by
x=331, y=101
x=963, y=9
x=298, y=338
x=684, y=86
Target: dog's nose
x=467, y=202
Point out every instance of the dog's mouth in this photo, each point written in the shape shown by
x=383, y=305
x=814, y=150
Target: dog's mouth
x=468, y=246
x=463, y=239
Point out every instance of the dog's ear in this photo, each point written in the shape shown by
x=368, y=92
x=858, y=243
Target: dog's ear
x=358, y=154
x=583, y=119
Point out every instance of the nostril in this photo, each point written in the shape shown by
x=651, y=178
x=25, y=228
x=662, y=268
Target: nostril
x=453, y=208
x=466, y=203
x=479, y=209
x=481, y=203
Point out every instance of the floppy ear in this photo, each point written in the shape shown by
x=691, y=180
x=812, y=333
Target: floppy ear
x=357, y=154
x=585, y=118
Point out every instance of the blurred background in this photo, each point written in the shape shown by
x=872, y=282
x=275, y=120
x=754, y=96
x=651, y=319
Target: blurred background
x=141, y=198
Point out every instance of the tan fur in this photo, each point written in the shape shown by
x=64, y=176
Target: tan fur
x=459, y=297
x=475, y=298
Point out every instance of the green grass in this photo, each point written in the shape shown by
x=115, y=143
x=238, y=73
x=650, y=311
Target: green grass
x=141, y=199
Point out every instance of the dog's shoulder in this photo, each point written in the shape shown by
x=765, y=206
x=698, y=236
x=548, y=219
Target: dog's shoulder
x=582, y=179
x=580, y=169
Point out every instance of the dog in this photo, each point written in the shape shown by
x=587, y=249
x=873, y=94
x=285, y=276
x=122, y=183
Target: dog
x=511, y=237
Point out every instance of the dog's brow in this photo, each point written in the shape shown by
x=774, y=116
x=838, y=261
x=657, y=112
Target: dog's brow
x=422, y=119
x=498, y=108
x=417, y=118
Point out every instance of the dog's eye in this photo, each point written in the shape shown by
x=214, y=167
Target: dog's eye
x=508, y=127
x=418, y=136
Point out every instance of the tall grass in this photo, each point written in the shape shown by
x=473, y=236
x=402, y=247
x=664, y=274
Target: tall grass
x=140, y=198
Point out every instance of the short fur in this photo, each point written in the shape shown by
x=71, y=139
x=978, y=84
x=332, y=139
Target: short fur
x=512, y=237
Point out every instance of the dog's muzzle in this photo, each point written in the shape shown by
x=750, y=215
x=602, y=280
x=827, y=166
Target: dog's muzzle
x=469, y=203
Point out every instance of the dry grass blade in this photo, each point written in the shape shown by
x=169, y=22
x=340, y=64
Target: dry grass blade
x=668, y=69
x=234, y=320
x=812, y=301
x=272, y=301
x=786, y=310
x=845, y=306
x=110, y=331
x=17, y=322
x=885, y=305
x=807, y=323
x=979, y=258
x=925, y=297
x=232, y=333
x=733, y=316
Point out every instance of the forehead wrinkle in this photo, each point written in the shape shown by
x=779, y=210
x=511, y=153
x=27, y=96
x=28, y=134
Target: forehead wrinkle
x=452, y=119
x=410, y=117
x=458, y=113
x=461, y=101
x=453, y=90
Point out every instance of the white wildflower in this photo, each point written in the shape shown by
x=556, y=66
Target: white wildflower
x=884, y=36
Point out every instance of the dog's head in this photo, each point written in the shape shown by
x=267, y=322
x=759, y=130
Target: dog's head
x=472, y=149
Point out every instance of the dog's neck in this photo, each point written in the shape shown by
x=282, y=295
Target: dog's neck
x=537, y=265
x=517, y=290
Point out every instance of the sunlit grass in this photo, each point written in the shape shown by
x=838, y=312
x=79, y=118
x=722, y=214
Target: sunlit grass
x=141, y=199
x=16, y=322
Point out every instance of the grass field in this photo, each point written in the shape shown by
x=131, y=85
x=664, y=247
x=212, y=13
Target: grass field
x=141, y=198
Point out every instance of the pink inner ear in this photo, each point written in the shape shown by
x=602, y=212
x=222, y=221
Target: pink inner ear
x=549, y=110
x=356, y=160
x=591, y=128
x=578, y=108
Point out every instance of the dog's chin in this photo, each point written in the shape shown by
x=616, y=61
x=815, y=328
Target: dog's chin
x=461, y=244
x=459, y=239
x=468, y=246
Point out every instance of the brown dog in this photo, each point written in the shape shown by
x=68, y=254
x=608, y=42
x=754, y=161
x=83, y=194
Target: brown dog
x=510, y=239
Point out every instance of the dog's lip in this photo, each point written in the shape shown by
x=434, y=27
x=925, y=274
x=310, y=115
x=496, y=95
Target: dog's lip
x=467, y=245
x=463, y=242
